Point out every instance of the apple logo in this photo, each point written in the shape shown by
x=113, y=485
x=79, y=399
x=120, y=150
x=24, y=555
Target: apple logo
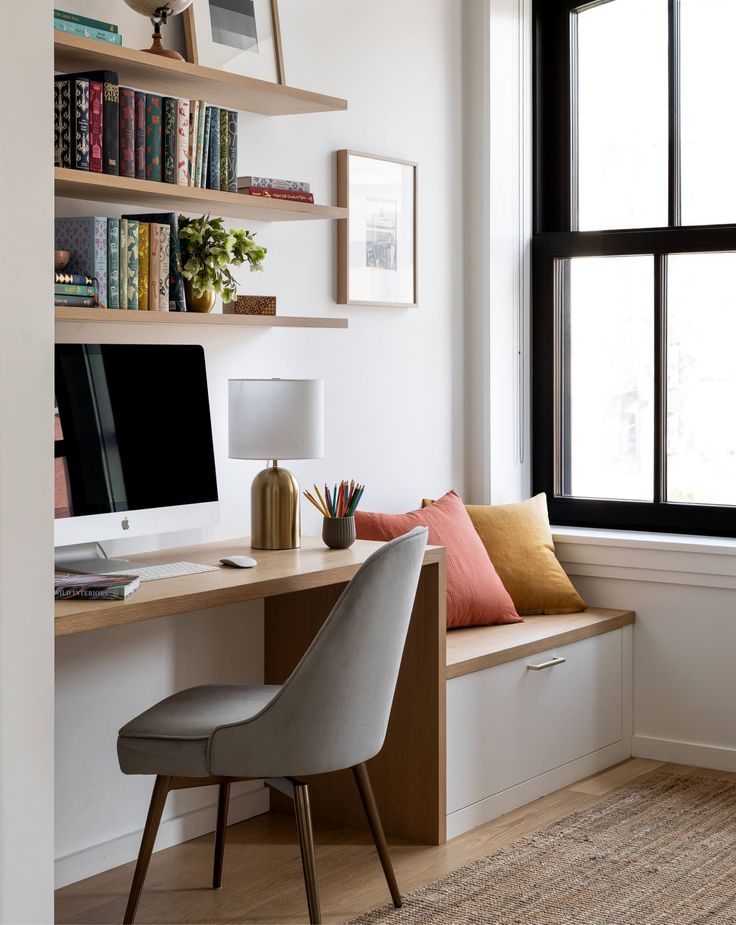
x=125, y=524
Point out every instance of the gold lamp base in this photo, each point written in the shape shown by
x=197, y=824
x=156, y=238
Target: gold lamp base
x=274, y=510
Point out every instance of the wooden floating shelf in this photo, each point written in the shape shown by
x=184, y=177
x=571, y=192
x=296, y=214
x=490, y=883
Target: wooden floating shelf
x=181, y=79
x=171, y=197
x=118, y=316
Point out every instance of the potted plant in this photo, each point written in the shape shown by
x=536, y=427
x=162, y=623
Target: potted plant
x=208, y=250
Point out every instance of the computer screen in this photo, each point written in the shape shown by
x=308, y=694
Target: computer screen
x=132, y=432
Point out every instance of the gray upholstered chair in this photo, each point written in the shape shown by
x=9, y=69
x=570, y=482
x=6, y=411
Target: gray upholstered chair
x=330, y=714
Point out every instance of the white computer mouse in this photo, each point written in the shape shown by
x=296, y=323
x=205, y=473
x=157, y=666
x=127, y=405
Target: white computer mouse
x=239, y=561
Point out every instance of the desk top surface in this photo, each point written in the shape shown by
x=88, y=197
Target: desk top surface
x=277, y=572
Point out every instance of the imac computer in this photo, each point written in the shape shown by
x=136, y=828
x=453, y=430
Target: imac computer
x=133, y=447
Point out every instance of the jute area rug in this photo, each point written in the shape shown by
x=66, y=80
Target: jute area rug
x=661, y=851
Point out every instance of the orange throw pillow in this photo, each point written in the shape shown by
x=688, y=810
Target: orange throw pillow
x=475, y=594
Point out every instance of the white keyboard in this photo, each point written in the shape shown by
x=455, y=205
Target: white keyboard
x=167, y=570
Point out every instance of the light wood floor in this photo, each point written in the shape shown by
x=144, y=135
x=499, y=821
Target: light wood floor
x=262, y=879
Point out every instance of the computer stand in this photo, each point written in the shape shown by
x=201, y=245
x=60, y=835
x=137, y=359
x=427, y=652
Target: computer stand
x=88, y=559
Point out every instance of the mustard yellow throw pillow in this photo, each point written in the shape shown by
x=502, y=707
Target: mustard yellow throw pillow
x=518, y=540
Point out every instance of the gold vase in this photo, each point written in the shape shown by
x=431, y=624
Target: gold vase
x=203, y=303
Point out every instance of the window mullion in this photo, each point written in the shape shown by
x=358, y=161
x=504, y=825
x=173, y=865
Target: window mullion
x=660, y=377
x=674, y=110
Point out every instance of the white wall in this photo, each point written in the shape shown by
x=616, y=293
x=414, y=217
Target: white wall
x=394, y=388
x=26, y=473
x=683, y=590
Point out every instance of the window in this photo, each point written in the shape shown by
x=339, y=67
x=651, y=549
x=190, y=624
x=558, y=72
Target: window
x=634, y=264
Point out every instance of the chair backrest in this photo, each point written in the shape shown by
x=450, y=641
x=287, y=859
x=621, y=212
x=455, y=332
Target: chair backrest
x=333, y=711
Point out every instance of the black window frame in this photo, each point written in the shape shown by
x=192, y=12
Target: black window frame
x=556, y=239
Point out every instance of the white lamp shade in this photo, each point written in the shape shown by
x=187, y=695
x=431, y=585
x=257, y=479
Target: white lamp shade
x=276, y=418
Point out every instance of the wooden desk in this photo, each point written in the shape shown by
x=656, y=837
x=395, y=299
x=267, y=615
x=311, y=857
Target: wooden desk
x=299, y=588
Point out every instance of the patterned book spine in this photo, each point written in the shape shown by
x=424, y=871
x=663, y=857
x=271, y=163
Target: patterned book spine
x=95, y=126
x=268, y=192
x=232, y=151
x=62, y=125
x=76, y=301
x=300, y=186
x=169, y=139
x=127, y=132
x=113, y=263
x=80, y=158
x=182, y=142
x=110, y=124
x=87, y=32
x=123, y=263
x=164, y=266
x=213, y=167
x=132, y=264
x=193, y=126
x=140, y=135
x=200, y=142
x=154, y=240
x=153, y=137
x=85, y=237
x=224, y=146
x=143, y=231
x=76, y=279
x=206, y=147
x=74, y=289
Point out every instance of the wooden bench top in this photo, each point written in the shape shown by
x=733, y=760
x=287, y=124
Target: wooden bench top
x=477, y=647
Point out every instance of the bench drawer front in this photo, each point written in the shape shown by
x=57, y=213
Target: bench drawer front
x=508, y=723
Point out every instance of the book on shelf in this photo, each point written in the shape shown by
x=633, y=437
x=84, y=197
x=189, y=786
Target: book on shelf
x=192, y=147
x=182, y=143
x=213, y=165
x=85, y=237
x=206, y=146
x=132, y=264
x=87, y=32
x=95, y=126
x=164, y=268
x=154, y=242
x=267, y=192
x=232, y=151
x=169, y=139
x=143, y=265
x=75, y=301
x=74, y=289
x=71, y=122
x=140, y=135
x=123, y=263
x=126, y=99
x=224, y=143
x=85, y=21
x=153, y=137
x=113, y=263
x=199, y=156
x=95, y=587
x=110, y=115
x=272, y=183
x=176, y=296
x=61, y=277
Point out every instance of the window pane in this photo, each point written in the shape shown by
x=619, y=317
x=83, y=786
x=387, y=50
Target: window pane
x=708, y=70
x=701, y=378
x=622, y=115
x=609, y=420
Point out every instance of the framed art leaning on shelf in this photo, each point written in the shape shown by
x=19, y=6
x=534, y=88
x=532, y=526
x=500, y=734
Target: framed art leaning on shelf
x=238, y=36
x=377, y=243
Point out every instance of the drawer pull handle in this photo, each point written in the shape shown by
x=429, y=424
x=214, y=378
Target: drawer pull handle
x=550, y=664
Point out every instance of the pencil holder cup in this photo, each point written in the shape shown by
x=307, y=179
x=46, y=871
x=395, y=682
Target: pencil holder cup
x=338, y=532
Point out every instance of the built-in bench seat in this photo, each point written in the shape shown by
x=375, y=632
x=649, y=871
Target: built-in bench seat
x=532, y=707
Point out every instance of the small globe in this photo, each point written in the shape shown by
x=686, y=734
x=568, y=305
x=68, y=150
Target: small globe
x=149, y=7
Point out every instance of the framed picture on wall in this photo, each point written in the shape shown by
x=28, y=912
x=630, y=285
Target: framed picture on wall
x=239, y=36
x=377, y=243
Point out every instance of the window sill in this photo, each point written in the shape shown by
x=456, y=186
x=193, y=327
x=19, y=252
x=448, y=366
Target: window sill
x=637, y=539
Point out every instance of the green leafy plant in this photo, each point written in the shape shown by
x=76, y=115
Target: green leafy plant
x=208, y=252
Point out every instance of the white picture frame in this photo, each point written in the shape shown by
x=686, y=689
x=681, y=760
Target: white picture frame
x=245, y=41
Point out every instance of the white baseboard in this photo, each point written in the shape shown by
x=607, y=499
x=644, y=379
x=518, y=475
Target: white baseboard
x=174, y=831
x=484, y=810
x=716, y=757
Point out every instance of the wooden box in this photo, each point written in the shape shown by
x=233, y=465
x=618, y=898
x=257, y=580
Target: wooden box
x=251, y=305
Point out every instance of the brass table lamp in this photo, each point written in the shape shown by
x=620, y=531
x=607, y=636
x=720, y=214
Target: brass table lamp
x=275, y=419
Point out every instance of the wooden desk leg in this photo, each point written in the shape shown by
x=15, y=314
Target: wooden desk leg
x=408, y=775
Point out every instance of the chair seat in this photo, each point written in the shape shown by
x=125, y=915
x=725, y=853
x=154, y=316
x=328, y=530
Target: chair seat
x=172, y=738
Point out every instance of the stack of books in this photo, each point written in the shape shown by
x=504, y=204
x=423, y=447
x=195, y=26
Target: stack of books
x=88, y=28
x=94, y=587
x=105, y=128
x=132, y=262
x=271, y=188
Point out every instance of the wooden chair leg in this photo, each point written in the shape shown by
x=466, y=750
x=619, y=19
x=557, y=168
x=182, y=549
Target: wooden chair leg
x=306, y=843
x=160, y=791
x=222, y=805
x=360, y=772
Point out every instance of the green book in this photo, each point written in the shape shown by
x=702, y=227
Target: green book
x=153, y=137
x=224, y=148
x=132, y=267
x=123, y=263
x=74, y=289
x=113, y=263
x=169, y=139
x=200, y=143
x=85, y=21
